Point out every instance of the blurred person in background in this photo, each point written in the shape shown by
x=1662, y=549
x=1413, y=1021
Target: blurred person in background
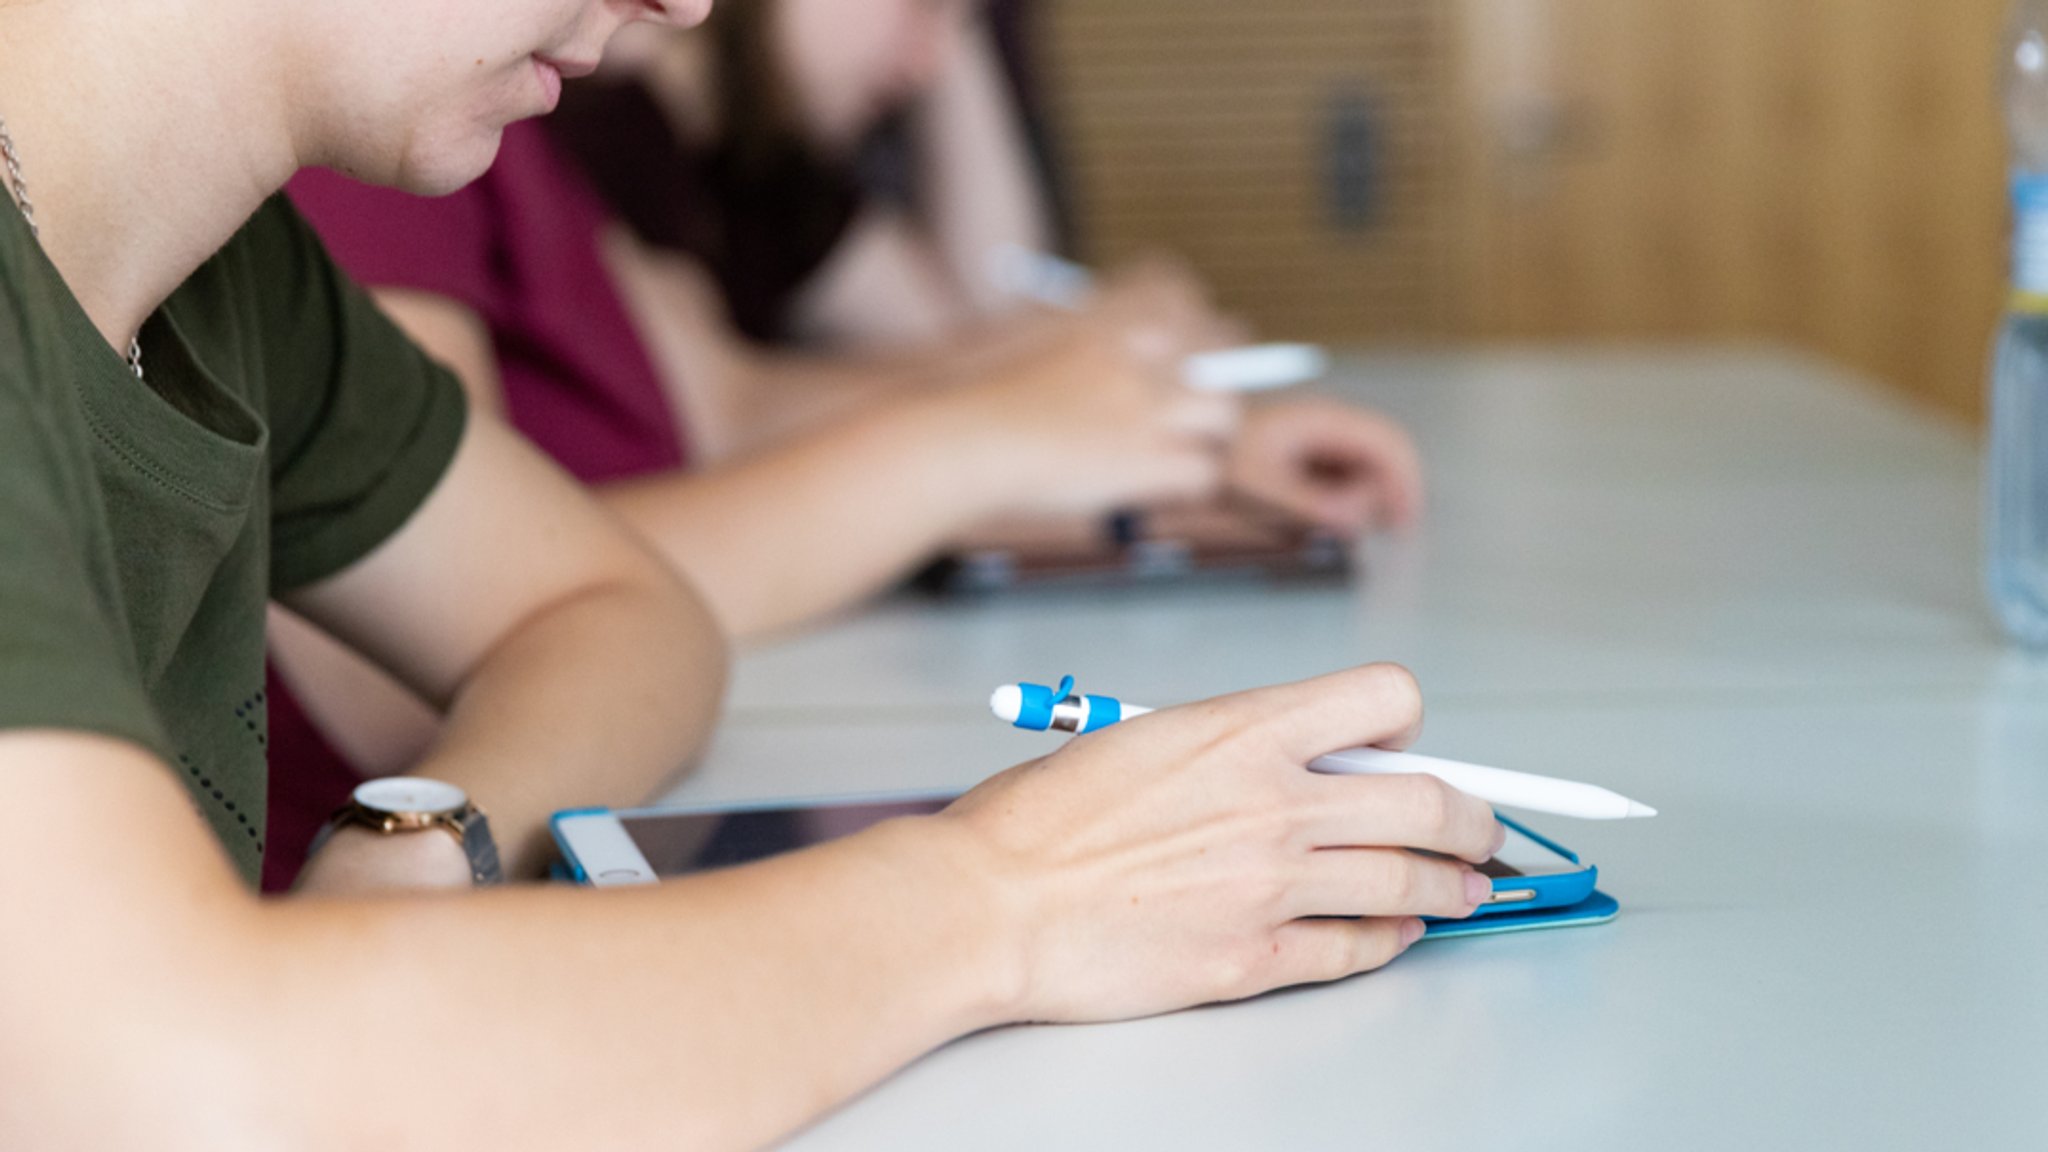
x=842, y=179
x=841, y=174
x=785, y=486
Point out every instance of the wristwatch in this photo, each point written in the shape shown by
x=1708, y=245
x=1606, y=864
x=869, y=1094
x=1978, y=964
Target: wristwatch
x=397, y=805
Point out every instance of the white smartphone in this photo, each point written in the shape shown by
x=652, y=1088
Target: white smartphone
x=607, y=848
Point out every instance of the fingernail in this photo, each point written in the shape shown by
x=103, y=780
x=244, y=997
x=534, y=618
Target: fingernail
x=1500, y=839
x=1477, y=888
x=1411, y=931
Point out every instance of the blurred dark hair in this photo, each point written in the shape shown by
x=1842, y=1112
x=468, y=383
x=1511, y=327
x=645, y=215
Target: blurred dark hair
x=762, y=124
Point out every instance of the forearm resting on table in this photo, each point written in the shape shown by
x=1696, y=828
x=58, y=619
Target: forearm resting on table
x=580, y=705
x=575, y=667
x=817, y=525
x=524, y=735
x=775, y=396
x=146, y=999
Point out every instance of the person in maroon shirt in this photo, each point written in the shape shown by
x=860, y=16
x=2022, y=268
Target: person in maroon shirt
x=839, y=172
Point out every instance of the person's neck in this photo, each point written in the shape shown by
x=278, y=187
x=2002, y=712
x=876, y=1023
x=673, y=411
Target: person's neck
x=145, y=141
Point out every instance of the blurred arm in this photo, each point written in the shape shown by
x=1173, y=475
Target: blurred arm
x=979, y=173
x=899, y=280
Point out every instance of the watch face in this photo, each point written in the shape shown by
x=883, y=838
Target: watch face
x=403, y=795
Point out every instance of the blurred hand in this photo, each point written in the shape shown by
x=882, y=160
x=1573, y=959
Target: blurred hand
x=1161, y=294
x=1097, y=421
x=1188, y=856
x=1339, y=467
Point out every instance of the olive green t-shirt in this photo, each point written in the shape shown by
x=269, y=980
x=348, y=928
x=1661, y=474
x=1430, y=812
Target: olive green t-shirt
x=285, y=429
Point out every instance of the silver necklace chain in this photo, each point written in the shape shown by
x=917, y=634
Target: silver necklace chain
x=19, y=184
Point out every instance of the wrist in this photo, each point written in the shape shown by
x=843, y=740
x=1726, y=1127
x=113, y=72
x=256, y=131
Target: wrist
x=406, y=832
x=964, y=464
x=358, y=861
x=980, y=914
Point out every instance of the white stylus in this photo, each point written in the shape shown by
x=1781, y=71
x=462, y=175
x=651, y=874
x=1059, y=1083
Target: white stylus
x=1035, y=708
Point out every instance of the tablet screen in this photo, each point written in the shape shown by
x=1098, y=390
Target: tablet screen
x=1522, y=856
x=679, y=843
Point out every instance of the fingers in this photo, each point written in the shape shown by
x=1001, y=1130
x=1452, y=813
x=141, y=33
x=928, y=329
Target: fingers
x=1404, y=811
x=1318, y=951
x=1385, y=882
x=1204, y=416
x=1338, y=465
x=1295, y=496
x=1378, y=705
x=1384, y=455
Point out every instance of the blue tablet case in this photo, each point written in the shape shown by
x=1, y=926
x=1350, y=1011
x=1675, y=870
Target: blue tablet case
x=1598, y=908
x=1549, y=892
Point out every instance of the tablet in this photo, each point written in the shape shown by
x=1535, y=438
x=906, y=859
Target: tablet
x=1195, y=546
x=1537, y=883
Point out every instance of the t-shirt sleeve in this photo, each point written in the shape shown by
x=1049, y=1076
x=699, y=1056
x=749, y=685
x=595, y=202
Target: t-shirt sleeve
x=390, y=239
x=363, y=425
x=61, y=664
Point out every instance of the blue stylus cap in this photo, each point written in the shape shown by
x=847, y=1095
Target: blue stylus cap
x=1029, y=706
x=1102, y=712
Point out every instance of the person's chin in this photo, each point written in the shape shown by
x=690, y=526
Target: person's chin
x=439, y=168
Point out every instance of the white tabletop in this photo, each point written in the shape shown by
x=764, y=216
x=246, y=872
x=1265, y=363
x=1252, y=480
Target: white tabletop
x=1603, y=526
x=1733, y=584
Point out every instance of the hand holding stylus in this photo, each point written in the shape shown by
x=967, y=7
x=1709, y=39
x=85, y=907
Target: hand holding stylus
x=1186, y=857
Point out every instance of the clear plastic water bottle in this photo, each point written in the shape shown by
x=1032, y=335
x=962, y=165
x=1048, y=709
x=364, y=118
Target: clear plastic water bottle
x=2017, y=483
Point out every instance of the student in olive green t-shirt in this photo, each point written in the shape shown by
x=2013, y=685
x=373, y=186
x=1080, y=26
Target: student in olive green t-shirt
x=157, y=517
x=281, y=438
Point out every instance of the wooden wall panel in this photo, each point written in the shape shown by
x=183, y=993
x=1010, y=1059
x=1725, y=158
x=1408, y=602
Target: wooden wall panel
x=1201, y=126
x=1826, y=173
x=1823, y=172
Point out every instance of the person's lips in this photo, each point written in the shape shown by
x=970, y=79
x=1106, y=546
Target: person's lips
x=569, y=68
x=552, y=72
x=550, y=84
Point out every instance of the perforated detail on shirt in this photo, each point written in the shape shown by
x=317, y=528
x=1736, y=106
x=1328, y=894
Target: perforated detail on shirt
x=252, y=713
x=255, y=716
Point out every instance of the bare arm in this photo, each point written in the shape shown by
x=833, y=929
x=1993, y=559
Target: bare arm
x=730, y=530
x=548, y=610
x=734, y=396
x=147, y=1000
x=898, y=280
x=831, y=516
x=885, y=288
x=737, y=397
x=825, y=521
x=979, y=175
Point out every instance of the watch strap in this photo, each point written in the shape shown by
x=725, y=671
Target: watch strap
x=481, y=847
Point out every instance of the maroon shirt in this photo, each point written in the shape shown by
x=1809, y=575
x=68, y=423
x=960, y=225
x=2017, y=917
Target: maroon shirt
x=521, y=248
